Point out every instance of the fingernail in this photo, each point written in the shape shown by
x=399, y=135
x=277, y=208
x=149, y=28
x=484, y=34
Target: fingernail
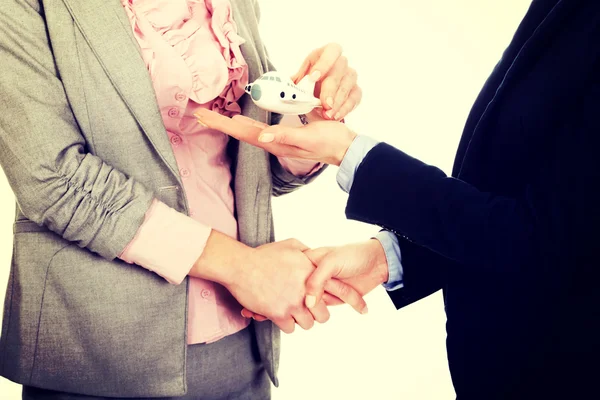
x=365, y=310
x=329, y=102
x=310, y=301
x=337, y=116
x=329, y=114
x=266, y=138
x=315, y=76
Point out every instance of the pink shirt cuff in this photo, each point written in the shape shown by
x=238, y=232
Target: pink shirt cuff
x=300, y=168
x=167, y=243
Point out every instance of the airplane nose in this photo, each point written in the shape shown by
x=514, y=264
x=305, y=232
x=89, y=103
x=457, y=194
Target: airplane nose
x=256, y=92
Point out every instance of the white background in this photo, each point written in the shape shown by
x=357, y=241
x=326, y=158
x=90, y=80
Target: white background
x=421, y=65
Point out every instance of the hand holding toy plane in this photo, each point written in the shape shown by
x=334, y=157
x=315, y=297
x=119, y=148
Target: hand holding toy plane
x=279, y=94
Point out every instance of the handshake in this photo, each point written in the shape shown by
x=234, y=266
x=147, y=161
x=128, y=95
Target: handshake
x=293, y=284
x=289, y=284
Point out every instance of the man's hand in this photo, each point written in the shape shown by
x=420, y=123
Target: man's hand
x=336, y=83
x=335, y=291
x=362, y=266
x=269, y=280
x=319, y=141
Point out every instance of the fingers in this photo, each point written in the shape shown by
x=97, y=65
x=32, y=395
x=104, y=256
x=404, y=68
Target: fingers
x=342, y=97
x=315, y=284
x=304, y=318
x=331, y=300
x=287, y=324
x=319, y=62
x=249, y=314
x=347, y=294
x=316, y=256
x=238, y=128
x=284, y=135
x=279, y=140
x=320, y=312
x=350, y=104
x=327, y=58
x=306, y=65
x=321, y=280
x=337, y=80
x=331, y=85
x=250, y=121
x=285, y=141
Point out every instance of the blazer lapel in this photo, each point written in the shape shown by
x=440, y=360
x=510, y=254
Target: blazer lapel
x=106, y=28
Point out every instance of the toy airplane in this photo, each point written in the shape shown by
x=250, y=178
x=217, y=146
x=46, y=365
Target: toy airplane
x=276, y=93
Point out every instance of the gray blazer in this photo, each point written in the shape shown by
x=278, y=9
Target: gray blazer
x=85, y=151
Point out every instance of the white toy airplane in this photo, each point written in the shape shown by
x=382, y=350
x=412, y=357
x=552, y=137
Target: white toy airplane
x=276, y=93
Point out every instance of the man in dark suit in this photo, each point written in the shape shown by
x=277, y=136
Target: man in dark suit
x=511, y=237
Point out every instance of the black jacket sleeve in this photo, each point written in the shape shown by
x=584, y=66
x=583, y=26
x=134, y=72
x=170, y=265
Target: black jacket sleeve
x=449, y=217
x=424, y=273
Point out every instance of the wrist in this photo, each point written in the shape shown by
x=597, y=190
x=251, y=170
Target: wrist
x=378, y=260
x=344, y=145
x=222, y=259
x=314, y=115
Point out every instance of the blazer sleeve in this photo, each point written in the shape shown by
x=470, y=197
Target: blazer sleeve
x=424, y=273
x=56, y=182
x=447, y=216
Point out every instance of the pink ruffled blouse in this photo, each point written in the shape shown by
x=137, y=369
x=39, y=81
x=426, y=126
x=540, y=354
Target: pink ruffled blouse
x=192, y=51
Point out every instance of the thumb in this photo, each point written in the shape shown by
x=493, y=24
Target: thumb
x=302, y=71
x=284, y=135
x=315, y=284
x=296, y=244
x=307, y=67
x=316, y=255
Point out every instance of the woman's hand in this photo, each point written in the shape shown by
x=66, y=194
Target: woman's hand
x=319, y=141
x=336, y=83
x=269, y=280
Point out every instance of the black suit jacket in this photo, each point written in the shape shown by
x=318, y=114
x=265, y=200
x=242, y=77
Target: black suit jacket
x=512, y=237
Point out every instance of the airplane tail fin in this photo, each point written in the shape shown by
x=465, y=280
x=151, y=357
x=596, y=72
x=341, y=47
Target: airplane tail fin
x=307, y=85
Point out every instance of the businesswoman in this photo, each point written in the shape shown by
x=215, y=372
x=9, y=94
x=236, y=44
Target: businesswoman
x=511, y=238
x=140, y=234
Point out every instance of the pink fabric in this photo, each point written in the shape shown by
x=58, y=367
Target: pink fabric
x=157, y=251
x=192, y=51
